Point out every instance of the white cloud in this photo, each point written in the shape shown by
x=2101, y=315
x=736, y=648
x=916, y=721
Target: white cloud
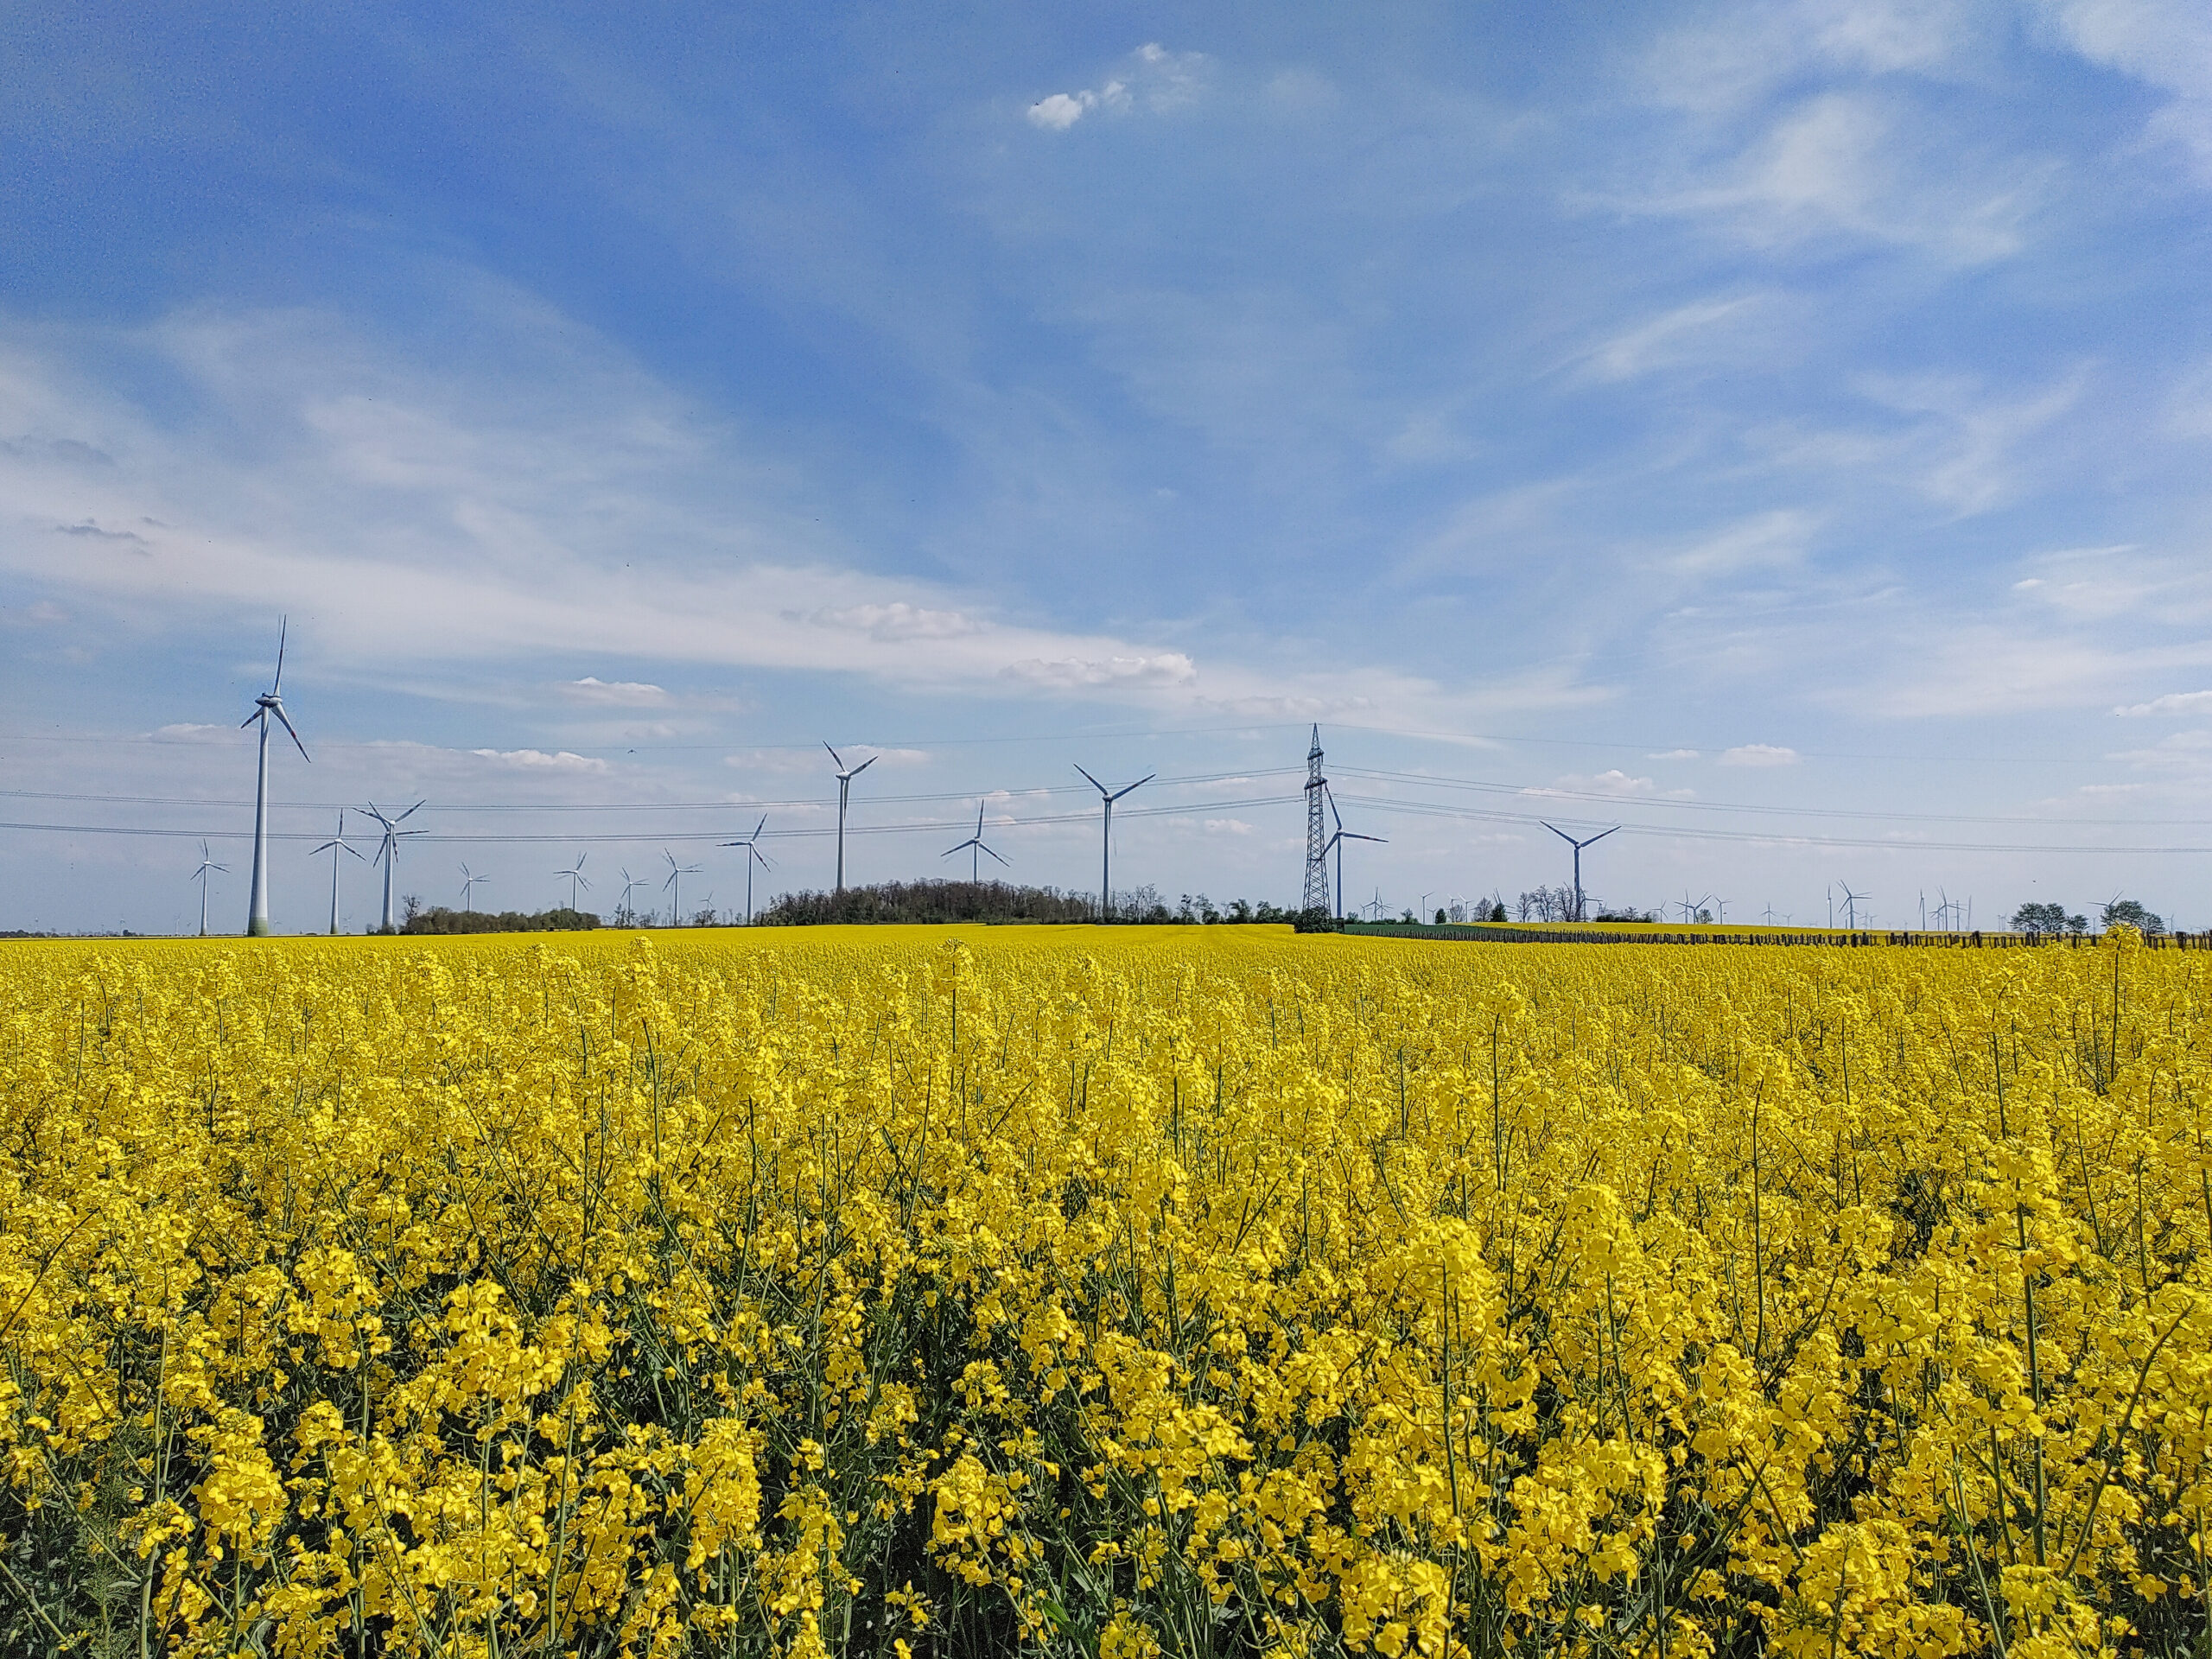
x=2165, y=43
x=1674, y=754
x=539, y=760
x=1068, y=673
x=1613, y=781
x=898, y=621
x=614, y=694
x=191, y=732
x=1765, y=540
x=2174, y=702
x=1152, y=77
x=1759, y=754
x=1227, y=827
x=1847, y=163
x=1736, y=54
x=1669, y=340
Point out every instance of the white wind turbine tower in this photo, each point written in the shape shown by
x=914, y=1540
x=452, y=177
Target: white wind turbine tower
x=574, y=876
x=269, y=703
x=1106, y=860
x=1851, y=903
x=335, y=847
x=845, y=776
x=676, y=874
x=207, y=863
x=388, y=850
x=1336, y=844
x=469, y=882
x=975, y=848
x=752, y=855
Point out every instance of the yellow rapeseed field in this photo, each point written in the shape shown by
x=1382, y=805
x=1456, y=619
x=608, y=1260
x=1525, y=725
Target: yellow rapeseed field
x=1198, y=1291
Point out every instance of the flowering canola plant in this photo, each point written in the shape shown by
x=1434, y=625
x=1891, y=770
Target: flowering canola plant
x=963, y=1292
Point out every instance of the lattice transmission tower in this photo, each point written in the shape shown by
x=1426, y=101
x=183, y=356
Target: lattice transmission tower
x=1317, y=831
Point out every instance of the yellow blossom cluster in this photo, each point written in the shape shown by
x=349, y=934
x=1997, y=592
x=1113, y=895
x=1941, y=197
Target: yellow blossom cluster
x=1111, y=1293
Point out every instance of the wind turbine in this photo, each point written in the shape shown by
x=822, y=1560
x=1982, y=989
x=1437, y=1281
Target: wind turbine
x=1338, y=840
x=1851, y=903
x=845, y=776
x=575, y=878
x=752, y=853
x=468, y=884
x=207, y=863
x=676, y=874
x=975, y=848
x=1577, y=846
x=269, y=703
x=1692, y=906
x=335, y=846
x=388, y=851
x=1106, y=858
x=630, y=883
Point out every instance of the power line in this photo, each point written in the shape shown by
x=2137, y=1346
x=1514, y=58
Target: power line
x=1547, y=792
x=654, y=837
x=1675, y=832
x=1194, y=779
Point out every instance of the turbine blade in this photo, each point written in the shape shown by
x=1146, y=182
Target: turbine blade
x=763, y=825
x=988, y=853
x=283, y=627
x=763, y=857
x=250, y=719
x=834, y=755
x=302, y=747
x=410, y=812
x=1093, y=782
x=865, y=764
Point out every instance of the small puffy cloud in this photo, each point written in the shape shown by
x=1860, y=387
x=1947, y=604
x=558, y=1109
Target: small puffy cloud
x=614, y=694
x=1227, y=827
x=1759, y=754
x=2174, y=702
x=1062, y=109
x=187, y=732
x=1070, y=673
x=43, y=615
x=1673, y=755
x=1161, y=79
x=539, y=760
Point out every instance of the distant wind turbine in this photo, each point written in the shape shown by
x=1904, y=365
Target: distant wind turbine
x=1851, y=903
x=574, y=876
x=336, y=848
x=975, y=848
x=1336, y=844
x=753, y=855
x=469, y=883
x=845, y=776
x=206, y=864
x=630, y=884
x=388, y=849
x=1106, y=858
x=269, y=703
x=676, y=874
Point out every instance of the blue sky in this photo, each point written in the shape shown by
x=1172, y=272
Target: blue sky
x=1785, y=430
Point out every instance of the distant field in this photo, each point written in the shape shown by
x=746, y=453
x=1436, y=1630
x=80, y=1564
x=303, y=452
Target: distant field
x=962, y=1291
